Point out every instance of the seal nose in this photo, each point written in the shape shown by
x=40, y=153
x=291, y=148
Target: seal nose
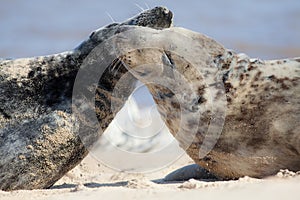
x=167, y=12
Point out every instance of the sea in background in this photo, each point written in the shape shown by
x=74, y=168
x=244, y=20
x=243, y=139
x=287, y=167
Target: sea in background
x=261, y=28
x=267, y=29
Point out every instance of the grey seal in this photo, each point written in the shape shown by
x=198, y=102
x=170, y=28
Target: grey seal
x=249, y=108
x=38, y=133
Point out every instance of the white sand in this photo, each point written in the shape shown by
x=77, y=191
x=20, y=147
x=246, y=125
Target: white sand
x=92, y=180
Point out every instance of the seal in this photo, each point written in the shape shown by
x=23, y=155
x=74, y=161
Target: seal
x=255, y=133
x=188, y=172
x=39, y=133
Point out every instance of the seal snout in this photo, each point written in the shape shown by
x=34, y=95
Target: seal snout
x=164, y=17
x=165, y=11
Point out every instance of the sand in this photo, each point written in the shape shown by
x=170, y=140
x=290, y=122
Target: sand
x=93, y=180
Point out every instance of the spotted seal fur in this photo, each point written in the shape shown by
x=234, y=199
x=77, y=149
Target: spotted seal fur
x=260, y=133
x=38, y=140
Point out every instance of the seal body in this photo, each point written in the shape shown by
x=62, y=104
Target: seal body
x=249, y=109
x=261, y=133
x=39, y=134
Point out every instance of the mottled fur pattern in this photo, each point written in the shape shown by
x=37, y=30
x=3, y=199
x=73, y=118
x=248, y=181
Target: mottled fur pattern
x=261, y=134
x=261, y=130
x=36, y=115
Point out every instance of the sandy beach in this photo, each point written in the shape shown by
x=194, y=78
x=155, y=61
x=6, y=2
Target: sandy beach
x=272, y=32
x=93, y=180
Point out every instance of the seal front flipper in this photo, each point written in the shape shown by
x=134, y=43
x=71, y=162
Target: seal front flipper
x=192, y=171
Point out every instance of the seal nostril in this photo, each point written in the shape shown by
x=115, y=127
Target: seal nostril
x=166, y=11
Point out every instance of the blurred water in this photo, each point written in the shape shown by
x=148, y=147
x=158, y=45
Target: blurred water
x=260, y=28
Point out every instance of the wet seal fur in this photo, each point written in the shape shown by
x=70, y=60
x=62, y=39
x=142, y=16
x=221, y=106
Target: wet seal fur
x=38, y=136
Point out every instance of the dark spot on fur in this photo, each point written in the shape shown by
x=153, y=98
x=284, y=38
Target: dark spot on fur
x=251, y=67
x=225, y=76
x=201, y=100
x=272, y=77
x=5, y=115
x=229, y=99
x=243, y=110
x=225, y=64
x=51, y=59
x=239, y=67
x=241, y=77
x=206, y=159
x=68, y=57
x=175, y=105
x=228, y=87
x=217, y=59
x=31, y=74
x=257, y=76
x=201, y=90
x=254, y=85
x=284, y=82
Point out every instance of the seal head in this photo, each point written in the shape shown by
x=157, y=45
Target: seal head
x=157, y=18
